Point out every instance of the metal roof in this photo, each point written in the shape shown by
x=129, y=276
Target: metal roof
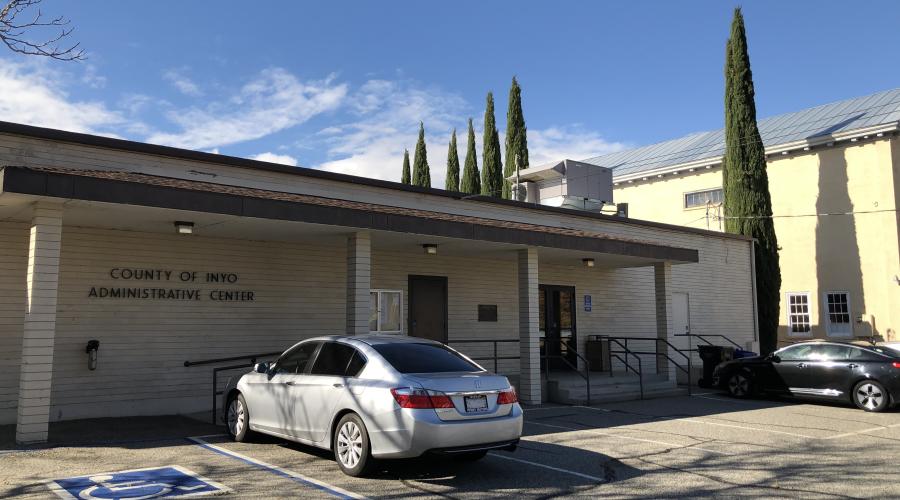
x=811, y=125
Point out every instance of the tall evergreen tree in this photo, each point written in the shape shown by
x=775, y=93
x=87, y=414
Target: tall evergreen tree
x=748, y=206
x=491, y=164
x=421, y=175
x=405, y=177
x=471, y=179
x=516, y=140
x=452, y=182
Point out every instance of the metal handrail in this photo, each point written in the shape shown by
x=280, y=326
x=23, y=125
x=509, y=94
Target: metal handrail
x=703, y=338
x=495, y=357
x=626, y=351
x=215, y=373
x=587, y=364
x=251, y=357
x=619, y=341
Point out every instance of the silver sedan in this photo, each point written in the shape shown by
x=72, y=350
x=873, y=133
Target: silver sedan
x=376, y=397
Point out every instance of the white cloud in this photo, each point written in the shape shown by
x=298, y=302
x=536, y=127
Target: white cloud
x=388, y=121
x=571, y=142
x=276, y=158
x=181, y=82
x=273, y=101
x=34, y=94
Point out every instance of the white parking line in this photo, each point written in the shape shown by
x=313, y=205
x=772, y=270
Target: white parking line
x=864, y=431
x=557, y=469
x=293, y=476
x=664, y=443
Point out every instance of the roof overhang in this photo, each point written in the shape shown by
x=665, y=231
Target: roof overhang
x=179, y=194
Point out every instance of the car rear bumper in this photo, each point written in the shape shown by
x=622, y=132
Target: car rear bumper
x=412, y=433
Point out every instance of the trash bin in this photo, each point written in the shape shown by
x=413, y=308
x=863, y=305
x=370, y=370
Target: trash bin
x=597, y=353
x=740, y=353
x=712, y=355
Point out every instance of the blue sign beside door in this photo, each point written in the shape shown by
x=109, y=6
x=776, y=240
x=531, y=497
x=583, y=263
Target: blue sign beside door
x=158, y=482
x=587, y=303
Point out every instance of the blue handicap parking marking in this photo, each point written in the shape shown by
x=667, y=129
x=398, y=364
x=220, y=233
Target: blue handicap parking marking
x=158, y=482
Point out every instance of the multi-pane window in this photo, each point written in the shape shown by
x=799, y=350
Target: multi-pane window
x=837, y=306
x=385, y=311
x=798, y=313
x=702, y=198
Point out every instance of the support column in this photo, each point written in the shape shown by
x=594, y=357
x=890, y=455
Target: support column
x=662, y=279
x=359, y=281
x=529, y=330
x=39, y=330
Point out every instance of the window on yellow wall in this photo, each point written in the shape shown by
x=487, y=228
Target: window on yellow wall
x=798, y=313
x=702, y=198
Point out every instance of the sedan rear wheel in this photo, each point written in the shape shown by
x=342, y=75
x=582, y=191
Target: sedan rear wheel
x=351, y=446
x=739, y=385
x=870, y=395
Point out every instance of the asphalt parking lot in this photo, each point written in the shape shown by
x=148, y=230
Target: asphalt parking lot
x=693, y=446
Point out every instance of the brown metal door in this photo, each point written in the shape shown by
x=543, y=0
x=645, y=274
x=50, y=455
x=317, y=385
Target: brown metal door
x=428, y=307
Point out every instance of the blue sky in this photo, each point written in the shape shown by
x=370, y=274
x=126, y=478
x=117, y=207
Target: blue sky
x=342, y=85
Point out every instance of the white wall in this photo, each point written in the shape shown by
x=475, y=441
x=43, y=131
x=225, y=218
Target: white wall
x=299, y=292
x=13, y=265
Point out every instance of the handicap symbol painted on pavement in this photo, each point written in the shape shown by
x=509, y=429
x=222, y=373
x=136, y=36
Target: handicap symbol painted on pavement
x=158, y=482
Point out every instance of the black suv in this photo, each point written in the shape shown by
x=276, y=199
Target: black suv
x=865, y=374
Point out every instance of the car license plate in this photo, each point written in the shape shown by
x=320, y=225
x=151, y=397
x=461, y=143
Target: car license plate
x=476, y=403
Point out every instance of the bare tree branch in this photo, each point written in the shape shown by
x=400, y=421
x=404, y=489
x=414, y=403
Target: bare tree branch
x=13, y=34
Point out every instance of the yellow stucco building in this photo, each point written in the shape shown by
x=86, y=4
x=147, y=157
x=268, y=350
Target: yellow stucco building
x=834, y=178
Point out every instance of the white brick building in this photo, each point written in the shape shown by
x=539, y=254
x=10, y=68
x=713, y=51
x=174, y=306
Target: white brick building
x=89, y=251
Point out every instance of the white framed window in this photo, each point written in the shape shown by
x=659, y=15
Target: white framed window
x=798, y=314
x=386, y=311
x=837, y=314
x=696, y=199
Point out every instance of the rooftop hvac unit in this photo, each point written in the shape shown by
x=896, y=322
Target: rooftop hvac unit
x=567, y=183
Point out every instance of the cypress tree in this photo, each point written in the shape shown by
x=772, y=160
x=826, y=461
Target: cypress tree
x=421, y=176
x=452, y=182
x=405, y=177
x=516, y=140
x=491, y=165
x=471, y=180
x=748, y=206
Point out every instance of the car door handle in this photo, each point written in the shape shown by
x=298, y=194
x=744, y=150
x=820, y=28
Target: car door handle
x=288, y=383
x=337, y=386
x=801, y=365
x=852, y=365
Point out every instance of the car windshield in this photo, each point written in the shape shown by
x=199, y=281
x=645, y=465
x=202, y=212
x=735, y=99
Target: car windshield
x=423, y=358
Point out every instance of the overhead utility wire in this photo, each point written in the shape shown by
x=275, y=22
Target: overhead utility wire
x=785, y=216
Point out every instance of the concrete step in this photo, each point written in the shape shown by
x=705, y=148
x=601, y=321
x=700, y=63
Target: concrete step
x=566, y=396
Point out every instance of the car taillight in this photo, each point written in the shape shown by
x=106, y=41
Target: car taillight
x=507, y=397
x=896, y=364
x=420, y=399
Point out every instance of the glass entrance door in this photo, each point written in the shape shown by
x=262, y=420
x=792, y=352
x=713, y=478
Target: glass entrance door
x=557, y=322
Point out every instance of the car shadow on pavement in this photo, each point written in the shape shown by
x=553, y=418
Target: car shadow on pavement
x=501, y=470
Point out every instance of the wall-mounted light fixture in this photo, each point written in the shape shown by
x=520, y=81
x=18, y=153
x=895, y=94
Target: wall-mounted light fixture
x=588, y=262
x=430, y=248
x=182, y=227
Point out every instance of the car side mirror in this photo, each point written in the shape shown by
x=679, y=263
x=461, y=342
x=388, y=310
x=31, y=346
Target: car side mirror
x=261, y=367
x=773, y=358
